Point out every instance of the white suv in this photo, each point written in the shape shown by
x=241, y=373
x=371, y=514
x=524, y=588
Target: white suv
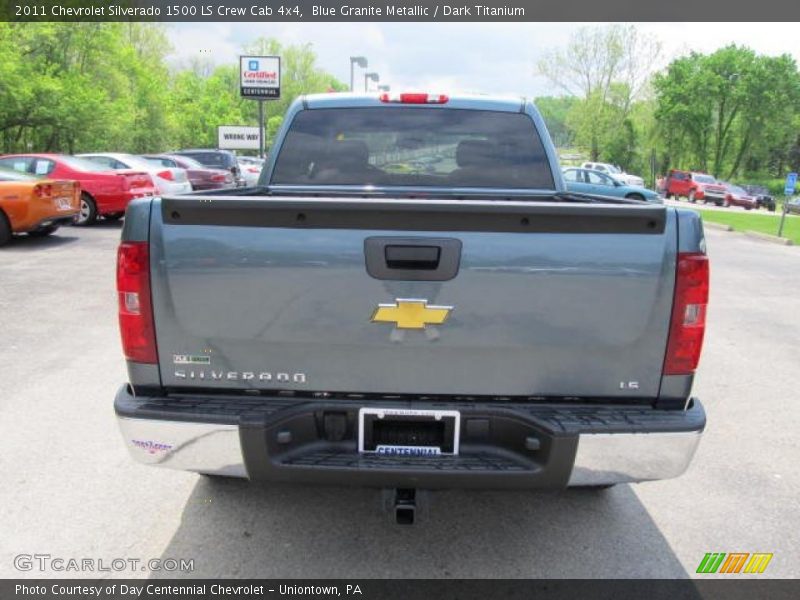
x=615, y=172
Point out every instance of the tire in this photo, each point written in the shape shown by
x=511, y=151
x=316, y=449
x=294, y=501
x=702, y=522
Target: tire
x=718, y=203
x=5, y=229
x=88, y=214
x=691, y=197
x=43, y=231
x=114, y=216
x=635, y=196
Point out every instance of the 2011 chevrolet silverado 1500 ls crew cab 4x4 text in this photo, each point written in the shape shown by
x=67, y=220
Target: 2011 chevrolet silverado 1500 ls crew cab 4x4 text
x=412, y=299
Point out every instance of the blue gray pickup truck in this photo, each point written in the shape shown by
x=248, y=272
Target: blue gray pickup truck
x=411, y=299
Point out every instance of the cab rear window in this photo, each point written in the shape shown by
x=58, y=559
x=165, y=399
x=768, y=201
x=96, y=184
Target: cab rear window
x=412, y=146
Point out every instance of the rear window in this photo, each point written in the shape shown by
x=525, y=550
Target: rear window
x=217, y=160
x=704, y=178
x=405, y=146
x=82, y=164
x=11, y=175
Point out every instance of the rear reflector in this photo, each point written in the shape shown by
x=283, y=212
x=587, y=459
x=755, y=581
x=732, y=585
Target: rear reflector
x=135, y=309
x=688, y=323
x=415, y=98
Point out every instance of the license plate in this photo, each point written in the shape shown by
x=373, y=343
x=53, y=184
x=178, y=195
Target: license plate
x=63, y=203
x=408, y=432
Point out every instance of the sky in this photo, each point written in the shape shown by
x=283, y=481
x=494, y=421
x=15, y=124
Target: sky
x=496, y=58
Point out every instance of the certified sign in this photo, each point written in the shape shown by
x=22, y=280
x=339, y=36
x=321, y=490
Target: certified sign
x=260, y=77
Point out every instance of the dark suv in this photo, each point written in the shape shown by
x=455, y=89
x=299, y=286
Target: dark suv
x=216, y=159
x=762, y=196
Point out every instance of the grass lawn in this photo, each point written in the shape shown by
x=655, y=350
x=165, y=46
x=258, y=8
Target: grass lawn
x=751, y=221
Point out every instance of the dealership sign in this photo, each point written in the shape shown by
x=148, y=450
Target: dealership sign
x=232, y=137
x=260, y=77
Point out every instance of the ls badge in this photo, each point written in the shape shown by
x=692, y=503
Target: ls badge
x=411, y=314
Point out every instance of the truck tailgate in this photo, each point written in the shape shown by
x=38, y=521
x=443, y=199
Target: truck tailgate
x=429, y=297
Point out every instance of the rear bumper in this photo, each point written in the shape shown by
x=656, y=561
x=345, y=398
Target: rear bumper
x=503, y=446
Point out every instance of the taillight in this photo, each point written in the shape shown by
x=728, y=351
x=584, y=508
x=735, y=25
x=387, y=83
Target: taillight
x=688, y=324
x=43, y=190
x=415, y=98
x=135, y=309
x=166, y=175
x=253, y=170
x=220, y=177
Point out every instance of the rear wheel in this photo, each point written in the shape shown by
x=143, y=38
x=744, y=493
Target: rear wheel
x=5, y=229
x=88, y=213
x=43, y=231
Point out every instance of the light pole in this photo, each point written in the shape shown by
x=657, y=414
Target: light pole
x=370, y=77
x=361, y=62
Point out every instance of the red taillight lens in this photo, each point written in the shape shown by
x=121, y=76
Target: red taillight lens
x=220, y=177
x=415, y=98
x=688, y=324
x=166, y=175
x=135, y=309
x=43, y=190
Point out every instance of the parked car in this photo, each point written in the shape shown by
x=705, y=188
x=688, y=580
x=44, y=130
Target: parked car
x=250, y=166
x=200, y=176
x=35, y=205
x=763, y=198
x=587, y=181
x=737, y=196
x=694, y=186
x=216, y=159
x=615, y=172
x=793, y=205
x=168, y=180
x=104, y=191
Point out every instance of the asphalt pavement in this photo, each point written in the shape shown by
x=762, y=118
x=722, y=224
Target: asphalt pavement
x=69, y=489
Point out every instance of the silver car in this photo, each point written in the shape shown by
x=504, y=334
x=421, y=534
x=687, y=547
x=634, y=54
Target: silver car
x=168, y=180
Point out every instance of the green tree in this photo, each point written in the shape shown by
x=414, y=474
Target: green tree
x=724, y=111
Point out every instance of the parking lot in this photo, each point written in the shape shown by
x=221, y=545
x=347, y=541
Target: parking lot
x=70, y=489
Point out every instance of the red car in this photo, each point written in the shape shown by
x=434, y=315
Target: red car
x=104, y=191
x=737, y=196
x=200, y=176
x=694, y=186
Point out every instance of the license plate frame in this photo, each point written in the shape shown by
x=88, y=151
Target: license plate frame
x=450, y=418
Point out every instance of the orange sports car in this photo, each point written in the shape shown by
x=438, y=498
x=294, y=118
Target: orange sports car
x=36, y=206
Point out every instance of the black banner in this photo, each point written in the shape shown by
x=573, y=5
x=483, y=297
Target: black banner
x=397, y=10
x=735, y=588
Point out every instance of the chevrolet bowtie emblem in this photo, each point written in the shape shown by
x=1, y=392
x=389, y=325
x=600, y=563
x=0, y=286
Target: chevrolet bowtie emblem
x=411, y=314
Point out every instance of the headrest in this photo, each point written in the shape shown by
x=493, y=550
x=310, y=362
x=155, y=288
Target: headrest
x=349, y=155
x=473, y=153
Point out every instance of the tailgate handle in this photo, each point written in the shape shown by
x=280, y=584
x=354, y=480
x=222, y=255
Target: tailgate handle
x=423, y=258
x=412, y=258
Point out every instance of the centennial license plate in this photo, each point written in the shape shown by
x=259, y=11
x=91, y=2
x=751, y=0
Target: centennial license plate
x=408, y=432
